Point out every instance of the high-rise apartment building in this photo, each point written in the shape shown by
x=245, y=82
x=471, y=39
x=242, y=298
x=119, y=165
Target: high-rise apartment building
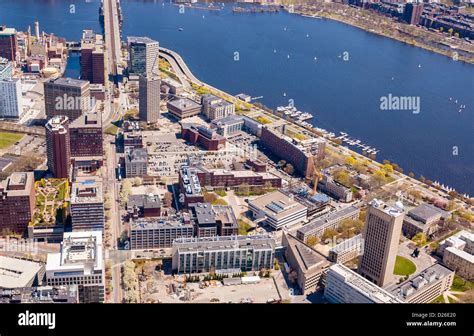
x=381, y=239
x=412, y=13
x=58, y=146
x=143, y=53
x=66, y=96
x=17, y=202
x=149, y=98
x=11, y=105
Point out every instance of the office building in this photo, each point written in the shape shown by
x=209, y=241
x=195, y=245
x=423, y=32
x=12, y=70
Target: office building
x=79, y=262
x=381, y=239
x=222, y=178
x=412, y=13
x=66, y=96
x=143, y=56
x=183, y=108
x=346, y=286
x=17, y=202
x=318, y=226
x=302, y=154
x=202, y=136
x=17, y=273
x=215, y=108
x=11, y=104
x=228, y=126
x=347, y=250
x=423, y=219
x=213, y=220
x=458, y=254
x=6, y=68
x=87, y=204
x=425, y=286
x=8, y=43
x=92, y=57
x=43, y=294
x=146, y=205
x=278, y=210
x=228, y=254
x=158, y=233
x=58, y=146
x=86, y=136
x=149, y=98
x=308, y=264
x=169, y=85
x=334, y=188
x=189, y=186
x=136, y=163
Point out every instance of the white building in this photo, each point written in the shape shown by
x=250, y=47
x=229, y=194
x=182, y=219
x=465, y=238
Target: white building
x=11, y=105
x=278, y=210
x=216, y=108
x=346, y=286
x=17, y=273
x=79, y=262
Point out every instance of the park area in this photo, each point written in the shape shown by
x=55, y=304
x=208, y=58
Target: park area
x=50, y=202
x=7, y=139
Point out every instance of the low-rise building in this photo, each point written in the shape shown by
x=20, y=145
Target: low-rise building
x=229, y=125
x=215, y=108
x=347, y=250
x=332, y=221
x=343, y=285
x=147, y=205
x=308, y=264
x=136, y=163
x=158, y=233
x=183, y=108
x=79, y=262
x=17, y=273
x=199, y=135
x=425, y=286
x=424, y=218
x=335, y=189
x=278, y=210
x=213, y=220
x=458, y=254
x=189, y=186
x=223, y=254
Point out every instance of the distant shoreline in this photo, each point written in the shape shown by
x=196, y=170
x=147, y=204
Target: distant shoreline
x=447, y=53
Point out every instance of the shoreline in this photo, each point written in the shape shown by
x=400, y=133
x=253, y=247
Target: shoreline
x=348, y=150
x=414, y=43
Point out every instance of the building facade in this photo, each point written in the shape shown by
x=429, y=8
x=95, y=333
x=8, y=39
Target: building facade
x=58, y=146
x=67, y=97
x=92, y=57
x=158, y=233
x=223, y=254
x=143, y=53
x=86, y=136
x=149, y=98
x=11, y=104
x=17, y=202
x=215, y=108
x=87, y=205
x=381, y=239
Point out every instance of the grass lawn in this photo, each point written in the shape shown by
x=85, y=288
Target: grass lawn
x=244, y=227
x=7, y=139
x=439, y=299
x=403, y=266
x=461, y=285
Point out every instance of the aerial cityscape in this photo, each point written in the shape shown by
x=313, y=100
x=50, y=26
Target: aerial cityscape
x=237, y=152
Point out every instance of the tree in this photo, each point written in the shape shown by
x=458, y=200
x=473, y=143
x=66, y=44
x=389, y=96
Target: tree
x=350, y=160
x=137, y=181
x=420, y=239
x=289, y=169
x=411, y=174
x=329, y=234
x=244, y=189
x=210, y=197
x=312, y=240
x=167, y=199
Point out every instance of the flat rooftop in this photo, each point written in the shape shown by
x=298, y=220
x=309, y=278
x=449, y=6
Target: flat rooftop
x=321, y=221
x=257, y=242
x=68, y=82
x=15, y=273
x=87, y=190
x=277, y=204
x=143, y=224
x=184, y=104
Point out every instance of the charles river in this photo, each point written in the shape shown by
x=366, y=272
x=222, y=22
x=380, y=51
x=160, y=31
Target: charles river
x=281, y=56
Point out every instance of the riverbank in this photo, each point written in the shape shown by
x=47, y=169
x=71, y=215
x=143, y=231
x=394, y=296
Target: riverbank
x=384, y=26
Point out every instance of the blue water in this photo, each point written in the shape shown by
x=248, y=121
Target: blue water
x=342, y=95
